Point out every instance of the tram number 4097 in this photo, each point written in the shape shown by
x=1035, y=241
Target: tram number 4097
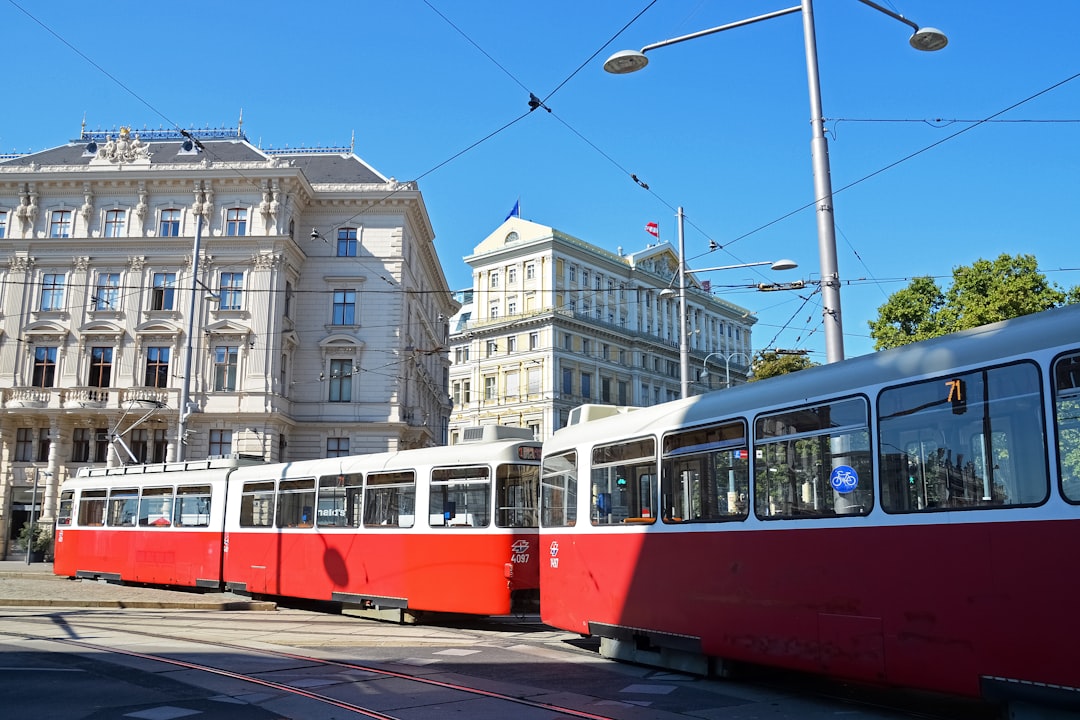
x=519, y=558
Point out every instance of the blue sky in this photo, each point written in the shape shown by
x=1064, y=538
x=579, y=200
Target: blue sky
x=718, y=125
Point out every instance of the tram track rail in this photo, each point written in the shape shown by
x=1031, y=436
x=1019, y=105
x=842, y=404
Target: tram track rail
x=283, y=687
x=267, y=642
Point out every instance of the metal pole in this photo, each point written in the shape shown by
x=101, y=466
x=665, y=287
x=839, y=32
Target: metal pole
x=684, y=351
x=185, y=388
x=819, y=153
x=33, y=504
x=727, y=371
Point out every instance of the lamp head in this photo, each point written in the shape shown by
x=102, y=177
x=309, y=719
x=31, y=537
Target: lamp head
x=928, y=39
x=625, y=61
x=784, y=264
x=666, y=293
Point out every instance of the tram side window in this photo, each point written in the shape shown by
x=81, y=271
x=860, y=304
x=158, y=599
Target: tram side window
x=257, y=504
x=123, y=507
x=517, y=492
x=965, y=441
x=813, y=461
x=624, y=482
x=296, y=503
x=192, y=507
x=706, y=475
x=558, y=490
x=67, y=504
x=390, y=499
x=155, y=507
x=460, y=497
x=340, y=501
x=1067, y=408
x=92, y=508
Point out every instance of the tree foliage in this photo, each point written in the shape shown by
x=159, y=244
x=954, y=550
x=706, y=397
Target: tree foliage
x=769, y=363
x=984, y=292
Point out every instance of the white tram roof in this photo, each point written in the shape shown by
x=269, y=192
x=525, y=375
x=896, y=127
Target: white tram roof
x=986, y=345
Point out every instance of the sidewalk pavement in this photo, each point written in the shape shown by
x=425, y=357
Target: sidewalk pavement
x=35, y=585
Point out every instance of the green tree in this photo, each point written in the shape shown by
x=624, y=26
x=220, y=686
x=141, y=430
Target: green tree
x=769, y=363
x=981, y=293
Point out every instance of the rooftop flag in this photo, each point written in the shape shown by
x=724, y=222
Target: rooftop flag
x=516, y=211
x=653, y=229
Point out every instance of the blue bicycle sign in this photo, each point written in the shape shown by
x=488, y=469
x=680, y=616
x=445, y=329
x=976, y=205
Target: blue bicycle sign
x=844, y=479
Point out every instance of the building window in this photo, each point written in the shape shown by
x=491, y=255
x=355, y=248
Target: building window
x=139, y=444
x=160, y=446
x=44, y=442
x=511, y=344
x=157, y=367
x=494, y=312
x=24, y=445
x=107, y=292
x=340, y=381
x=52, y=292
x=491, y=390
x=511, y=276
x=494, y=278
x=586, y=385
x=101, y=445
x=530, y=271
x=288, y=298
x=585, y=278
x=492, y=348
x=44, y=367
x=3, y=224
x=226, y=358
x=337, y=447
x=346, y=242
x=511, y=307
x=170, y=223
x=533, y=381
x=456, y=393
x=231, y=290
x=80, y=445
x=60, y=224
x=236, y=222
x=114, y=223
x=534, y=341
x=599, y=282
x=163, y=293
x=100, y=367
x=220, y=443
x=586, y=347
x=344, y=307
x=567, y=381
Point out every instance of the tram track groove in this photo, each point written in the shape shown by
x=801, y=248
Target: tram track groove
x=284, y=687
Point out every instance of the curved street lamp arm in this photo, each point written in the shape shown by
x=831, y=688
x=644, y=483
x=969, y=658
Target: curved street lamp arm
x=721, y=28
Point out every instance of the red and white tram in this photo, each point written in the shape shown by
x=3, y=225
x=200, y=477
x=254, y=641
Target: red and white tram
x=906, y=518
x=445, y=529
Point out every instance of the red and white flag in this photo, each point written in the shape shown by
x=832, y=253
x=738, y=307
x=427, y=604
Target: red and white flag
x=653, y=229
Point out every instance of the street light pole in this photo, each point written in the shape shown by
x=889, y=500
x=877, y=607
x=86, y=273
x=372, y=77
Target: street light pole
x=684, y=349
x=684, y=341
x=727, y=364
x=185, y=388
x=924, y=38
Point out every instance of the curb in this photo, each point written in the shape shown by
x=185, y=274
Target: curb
x=253, y=605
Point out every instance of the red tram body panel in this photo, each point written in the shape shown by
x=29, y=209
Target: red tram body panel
x=902, y=519
x=447, y=529
x=174, y=538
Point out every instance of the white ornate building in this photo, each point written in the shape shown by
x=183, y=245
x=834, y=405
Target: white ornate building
x=552, y=322
x=315, y=321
